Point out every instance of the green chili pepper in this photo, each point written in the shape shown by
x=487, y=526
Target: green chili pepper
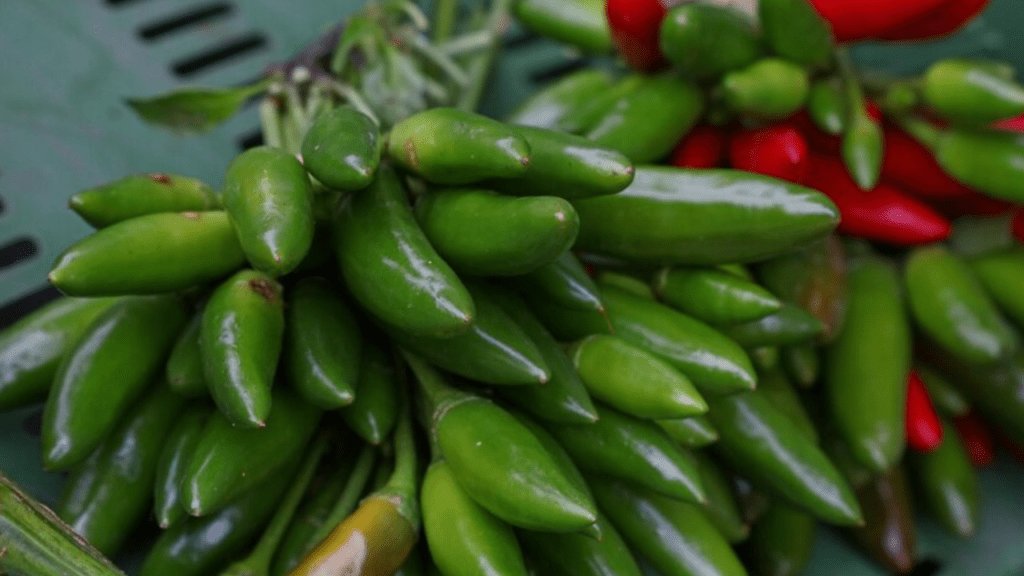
x=825, y=103
x=948, y=484
x=580, y=23
x=1002, y=274
x=198, y=546
x=866, y=366
x=713, y=295
x=692, y=432
x=141, y=194
x=710, y=360
x=240, y=340
x=948, y=400
x=801, y=363
x=863, y=140
x=721, y=507
x=563, y=282
x=563, y=398
x=767, y=89
x=685, y=216
x=675, y=537
x=794, y=30
x=184, y=370
x=179, y=445
x=588, y=110
x=781, y=394
x=342, y=149
x=781, y=541
x=951, y=306
x=971, y=91
x=577, y=555
x=568, y=166
x=391, y=268
x=116, y=494
x=626, y=447
x=31, y=349
x=626, y=282
x=324, y=345
x=549, y=107
x=790, y=325
x=35, y=541
x=501, y=465
x=448, y=146
x=760, y=442
x=483, y=233
x=568, y=324
x=494, y=350
x=373, y=413
x=169, y=252
x=464, y=538
x=888, y=534
x=229, y=460
x=110, y=367
x=705, y=41
x=646, y=121
x=634, y=381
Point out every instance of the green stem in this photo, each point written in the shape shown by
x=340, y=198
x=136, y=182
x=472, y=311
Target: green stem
x=258, y=562
x=296, y=110
x=403, y=483
x=467, y=44
x=271, y=122
x=852, y=92
x=352, y=96
x=419, y=43
x=349, y=496
x=446, y=13
x=480, y=68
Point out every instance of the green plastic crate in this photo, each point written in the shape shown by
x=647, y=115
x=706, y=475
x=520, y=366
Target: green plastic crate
x=68, y=64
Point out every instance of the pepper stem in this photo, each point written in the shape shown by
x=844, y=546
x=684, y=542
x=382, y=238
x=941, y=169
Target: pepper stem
x=258, y=562
x=445, y=17
x=402, y=484
x=349, y=496
x=480, y=66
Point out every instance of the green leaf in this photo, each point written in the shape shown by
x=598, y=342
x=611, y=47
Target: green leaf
x=194, y=110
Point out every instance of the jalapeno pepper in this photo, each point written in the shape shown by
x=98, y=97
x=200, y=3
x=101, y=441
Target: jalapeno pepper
x=184, y=370
x=342, y=149
x=140, y=194
x=548, y=107
x=179, y=444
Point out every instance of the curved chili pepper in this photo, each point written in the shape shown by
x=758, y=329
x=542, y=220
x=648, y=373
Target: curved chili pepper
x=924, y=431
x=635, y=26
x=779, y=151
x=977, y=438
x=885, y=214
x=911, y=166
x=866, y=19
x=948, y=18
x=702, y=147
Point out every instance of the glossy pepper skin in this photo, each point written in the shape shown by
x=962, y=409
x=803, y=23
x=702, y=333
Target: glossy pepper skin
x=942, y=20
x=780, y=392
x=106, y=505
x=912, y=167
x=548, y=107
x=391, y=268
x=869, y=19
x=867, y=365
x=269, y=200
x=950, y=305
x=795, y=31
x=713, y=295
x=781, y=541
x=31, y=349
x=705, y=41
x=704, y=146
x=464, y=538
x=692, y=432
x=825, y=106
x=1001, y=272
x=760, y=442
x=374, y=412
x=564, y=282
x=948, y=484
x=449, y=146
x=888, y=535
x=971, y=92
x=789, y=325
x=184, y=370
x=580, y=23
x=682, y=216
x=647, y=117
x=924, y=430
x=240, y=340
x=323, y=343
x=140, y=194
x=779, y=151
x=483, y=233
x=673, y=536
x=770, y=88
x=169, y=252
x=634, y=27
x=179, y=444
x=720, y=507
x=713, y=362
x=342, y=149
x=127, y=345
x=862, y=140
x=578, y=555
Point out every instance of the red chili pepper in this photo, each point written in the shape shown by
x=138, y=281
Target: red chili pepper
x=702, y=147
x=1017, y=225
x=942, y=21
x=866, y=19
x=977, y=438
x=974, y=205
x=635, y=25
x=1015, y=124
x=779, y=151
x=924, y=430
x=884, y=214
x=912, y=167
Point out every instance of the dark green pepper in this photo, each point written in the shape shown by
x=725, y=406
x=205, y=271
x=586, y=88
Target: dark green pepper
x=825, y=103
x=714, y=295
x=118, y=491
x=374, y=412
x=781, y=394
x=801, y=363
x=564, y=283
x=169, y=252
x=863, y=140
x=706, y=41
x=568, y=324
x=449, y=146
x=767, y=89
x=580, y=23
x=627, y=282
x=482, y=233
x=689, y=216
x=141, y=194
x=548, y=107
x=888, y=535
x=781, y=541
x=269, y=200
x=971, y=91
x=790, y=325
x=118, y=357
x=692, y=432
x=1002, y=274
x=578, y=555
x=794, y=30
x=179, y=445
x=342, y=149
x=31, y=349
x=184, y=370
x=391, y=268
x=323, y=343
x=721, y=507
x=948, y=484
x=948, y=400
x=240, y=341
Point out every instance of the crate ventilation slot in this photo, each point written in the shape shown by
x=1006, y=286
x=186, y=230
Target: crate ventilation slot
x=230, y=50
x=194, y=17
